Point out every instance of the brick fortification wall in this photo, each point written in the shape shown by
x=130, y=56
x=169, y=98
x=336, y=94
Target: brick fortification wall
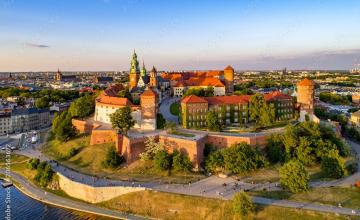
x=192, y=148
x=84, y=126
x=222, y=141
x=103, y=136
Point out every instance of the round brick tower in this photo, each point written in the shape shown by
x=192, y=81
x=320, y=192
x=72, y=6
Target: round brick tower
x=305, y=95
x=229, y=80
x=148, y=103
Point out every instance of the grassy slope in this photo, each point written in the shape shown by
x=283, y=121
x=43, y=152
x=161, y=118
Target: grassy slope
x=89, y=160
x=348, y=197
x=174, y=206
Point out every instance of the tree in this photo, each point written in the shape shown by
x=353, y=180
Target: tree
x=65, y=129
x=215, y=161
x=275, y=149
x=242, y=157
x=304, y=152
x=44, y=174
x=294, y=176
x=160, y=121
x=42, y=102
x=333, y=165
x=180, y=162
x=242, y=204
x=151, y=148
x=267, y=115
x=257, y=102
x=125, y=94
x=113, y=159
x=212, y=121
x=162, y=160
x=82, y=107
x=122, y=120
x=33, y=163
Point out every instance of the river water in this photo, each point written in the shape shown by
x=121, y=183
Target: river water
x=24, y=207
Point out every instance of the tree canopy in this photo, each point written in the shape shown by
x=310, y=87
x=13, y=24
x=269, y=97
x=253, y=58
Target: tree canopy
x=122, y=120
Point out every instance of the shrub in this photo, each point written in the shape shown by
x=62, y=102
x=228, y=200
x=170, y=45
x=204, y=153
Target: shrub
x=44, y=174
x=180, y=162
x=333, y=165
x=242, y=157
x=214, y=161
x=33, y=163
x=294, y=176
x=275, y=149
x=160, y=121
x=113, y=159
x=242, y=204
x=162, y=160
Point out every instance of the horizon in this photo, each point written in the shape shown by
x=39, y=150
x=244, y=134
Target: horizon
x=98, y=35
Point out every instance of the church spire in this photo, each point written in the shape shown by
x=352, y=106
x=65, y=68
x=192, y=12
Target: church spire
x=135, y=69
x=143, y=69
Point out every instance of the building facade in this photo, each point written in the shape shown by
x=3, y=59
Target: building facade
x=27, y=119
x=231, y=110
x=5, y=123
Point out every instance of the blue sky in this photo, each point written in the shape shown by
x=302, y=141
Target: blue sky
x=178, y=34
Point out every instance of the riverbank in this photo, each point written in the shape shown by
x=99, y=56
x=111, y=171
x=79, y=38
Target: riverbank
x=41, y=195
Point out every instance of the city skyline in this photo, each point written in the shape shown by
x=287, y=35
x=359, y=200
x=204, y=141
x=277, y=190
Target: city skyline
x=101, y=35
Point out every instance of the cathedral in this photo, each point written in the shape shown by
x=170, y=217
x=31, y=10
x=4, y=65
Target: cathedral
x=139, y=80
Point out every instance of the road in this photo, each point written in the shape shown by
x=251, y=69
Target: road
x=49, y=198
x=165, y=109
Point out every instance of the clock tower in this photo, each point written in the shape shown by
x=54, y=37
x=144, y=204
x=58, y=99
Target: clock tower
x=134, y=72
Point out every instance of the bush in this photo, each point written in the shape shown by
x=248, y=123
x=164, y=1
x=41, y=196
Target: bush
x=113, y=159
x=294, y=176
x=242, y=204
x=215, y=161
x=162, y=160
x=180, y=162
x=160, y=121
x=242, y=157
x=44, y=174
x=333, y=165
x=33, y=163
x=275, y=149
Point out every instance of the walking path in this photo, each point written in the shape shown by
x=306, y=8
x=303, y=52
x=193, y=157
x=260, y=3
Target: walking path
x=49, y=198
x=213, y=187
x=165, y=109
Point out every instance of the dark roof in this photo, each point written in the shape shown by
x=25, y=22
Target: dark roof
x=27, y=111
x=104, y=79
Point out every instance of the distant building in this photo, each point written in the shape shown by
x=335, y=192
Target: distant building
x=65, y=78
x=27, y=119
x=103, y=79
x=5, y=123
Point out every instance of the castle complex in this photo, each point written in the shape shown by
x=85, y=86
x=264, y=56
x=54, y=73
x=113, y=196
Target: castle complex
x=232, y=110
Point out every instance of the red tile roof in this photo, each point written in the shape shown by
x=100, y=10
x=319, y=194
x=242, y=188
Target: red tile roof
x=149, y=92
x=228, y=100
x=276, y=95
x=201, y=81
x=193, y=99
x=306, y=82
x=229, y=68
x=113, y=90
x=113, y=100
x=234, y=99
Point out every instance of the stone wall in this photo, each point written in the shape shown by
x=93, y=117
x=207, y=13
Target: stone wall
x=93, y=194
x=84, y=126
x=103, y=136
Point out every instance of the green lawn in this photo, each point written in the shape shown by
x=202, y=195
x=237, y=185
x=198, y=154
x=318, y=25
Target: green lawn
x=175, y=132
x=174, y=206
x=348, y=197
x=174, y=108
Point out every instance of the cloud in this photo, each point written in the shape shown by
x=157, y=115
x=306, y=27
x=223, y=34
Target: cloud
x=37, y=45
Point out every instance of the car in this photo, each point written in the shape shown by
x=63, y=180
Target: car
x=3, y=148
x=13, y=148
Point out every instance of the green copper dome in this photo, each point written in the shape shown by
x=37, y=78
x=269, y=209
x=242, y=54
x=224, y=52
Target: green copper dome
x=143, y=70
x=134, y=64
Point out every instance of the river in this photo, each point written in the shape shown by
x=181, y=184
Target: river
x=24, y=207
